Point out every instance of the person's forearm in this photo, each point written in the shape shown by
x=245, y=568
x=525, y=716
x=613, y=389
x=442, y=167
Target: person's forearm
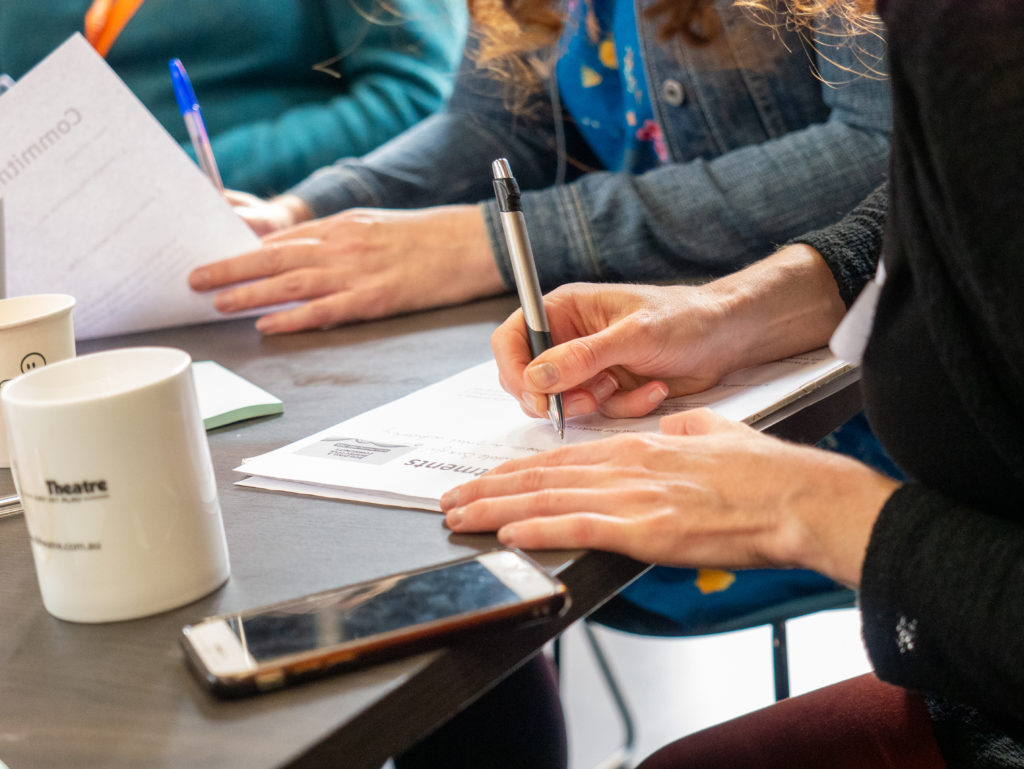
x=785, y=304
x=691, y=221
x=444, y=159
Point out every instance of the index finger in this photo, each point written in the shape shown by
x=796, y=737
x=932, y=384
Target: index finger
x=271, y=259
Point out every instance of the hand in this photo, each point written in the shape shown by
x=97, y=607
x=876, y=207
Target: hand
x=623, y=349
x=620, y=349
x=706, y=493
x=267, y=216
x=357, y=265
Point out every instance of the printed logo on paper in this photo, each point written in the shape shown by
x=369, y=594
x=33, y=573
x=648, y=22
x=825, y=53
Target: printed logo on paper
x=356, y=450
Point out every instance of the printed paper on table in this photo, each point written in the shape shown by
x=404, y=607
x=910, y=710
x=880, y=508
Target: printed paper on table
x=407, y=453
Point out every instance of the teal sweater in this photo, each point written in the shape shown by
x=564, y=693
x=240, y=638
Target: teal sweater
x=274, y=115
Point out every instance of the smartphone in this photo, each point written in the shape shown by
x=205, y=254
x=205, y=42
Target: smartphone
x=269, y=647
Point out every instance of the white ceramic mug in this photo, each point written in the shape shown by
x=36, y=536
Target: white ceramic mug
x=34, y=330
x=113, y=467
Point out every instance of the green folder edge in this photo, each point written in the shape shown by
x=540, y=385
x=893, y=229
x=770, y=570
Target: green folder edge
x=241, y=414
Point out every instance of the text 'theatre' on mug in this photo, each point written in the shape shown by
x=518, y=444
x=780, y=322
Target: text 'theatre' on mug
x=34, y=330
x=111, y=460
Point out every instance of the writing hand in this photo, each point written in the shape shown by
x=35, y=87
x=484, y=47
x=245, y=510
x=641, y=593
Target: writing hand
x=357, y=265
x=619, y=349
x=622, y=349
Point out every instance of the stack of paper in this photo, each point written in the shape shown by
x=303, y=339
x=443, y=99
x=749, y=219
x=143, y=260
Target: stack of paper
x=409, y=452
x=101, y=203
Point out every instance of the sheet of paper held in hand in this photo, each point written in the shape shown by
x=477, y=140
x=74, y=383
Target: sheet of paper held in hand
x=409, y=452
x=101, y=203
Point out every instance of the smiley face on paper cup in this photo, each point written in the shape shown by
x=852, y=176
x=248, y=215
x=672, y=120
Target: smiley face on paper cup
x=34, y=330
x=30, y=362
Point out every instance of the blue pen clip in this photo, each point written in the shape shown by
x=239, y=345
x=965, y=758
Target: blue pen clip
x=189, y=107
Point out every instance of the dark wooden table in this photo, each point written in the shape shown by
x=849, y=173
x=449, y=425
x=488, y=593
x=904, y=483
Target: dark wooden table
x=118, y=695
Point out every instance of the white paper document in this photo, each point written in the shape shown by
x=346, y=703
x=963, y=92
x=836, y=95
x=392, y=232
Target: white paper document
x=101, y=203
x=409, y=452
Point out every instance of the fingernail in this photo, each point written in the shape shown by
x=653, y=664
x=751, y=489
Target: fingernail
x=658, y=394
x=224, y=302
x=542, y=375
x=507, y=535
x=449, y=499
x=266, y=326
x=605, y=388
x=199, y=279
x=455, y=517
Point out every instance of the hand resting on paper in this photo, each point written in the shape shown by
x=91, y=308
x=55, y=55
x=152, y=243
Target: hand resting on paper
x=707, y=492
x=622, y=349
x=357, y=265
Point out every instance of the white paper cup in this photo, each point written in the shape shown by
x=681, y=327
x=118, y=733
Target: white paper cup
x=113, y=467
x=34, y=331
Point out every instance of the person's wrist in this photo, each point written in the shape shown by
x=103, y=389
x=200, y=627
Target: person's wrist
x=836, y=521
x=783, y=305
x=479, y=265
x=721, y=312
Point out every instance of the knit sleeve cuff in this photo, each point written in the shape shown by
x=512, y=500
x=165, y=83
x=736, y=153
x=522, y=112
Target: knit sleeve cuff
x=852, y=246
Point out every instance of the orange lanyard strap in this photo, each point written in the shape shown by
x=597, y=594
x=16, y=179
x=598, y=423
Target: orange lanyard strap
x=105, y=19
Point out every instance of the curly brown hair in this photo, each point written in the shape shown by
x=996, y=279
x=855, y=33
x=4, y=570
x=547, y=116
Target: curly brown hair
x=514, y=38
x=854, y=16
x=806, y=11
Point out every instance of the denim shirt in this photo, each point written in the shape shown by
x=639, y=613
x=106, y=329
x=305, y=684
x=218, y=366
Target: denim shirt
x=763, y=148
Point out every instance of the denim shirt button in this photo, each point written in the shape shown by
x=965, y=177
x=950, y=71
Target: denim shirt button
x=672, y=92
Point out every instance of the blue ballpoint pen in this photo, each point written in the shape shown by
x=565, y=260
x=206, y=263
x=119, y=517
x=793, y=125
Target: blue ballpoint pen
x=525, y=272
x=194, y=121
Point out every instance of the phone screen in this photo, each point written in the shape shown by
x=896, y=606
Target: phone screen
x=357, y=624
x=348, y=615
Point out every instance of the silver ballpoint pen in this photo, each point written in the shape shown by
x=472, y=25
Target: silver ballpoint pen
x=525, y=272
